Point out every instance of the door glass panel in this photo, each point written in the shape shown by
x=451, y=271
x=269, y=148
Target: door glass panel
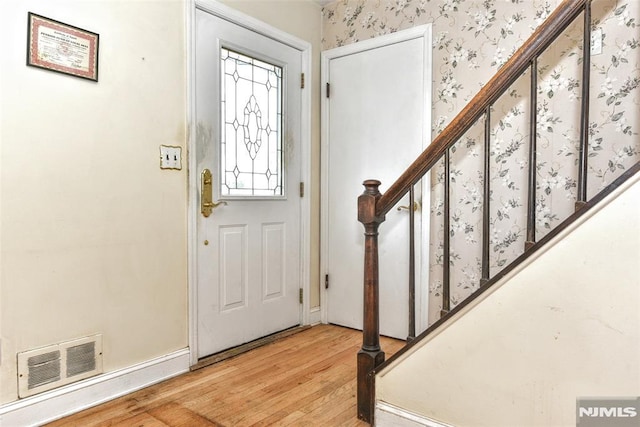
x=251, y=117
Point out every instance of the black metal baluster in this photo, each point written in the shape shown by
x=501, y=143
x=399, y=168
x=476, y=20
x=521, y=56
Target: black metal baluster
x=446, y=275
x=583, y=157
x=533, y=122
x=486, y=195
x=412, y=266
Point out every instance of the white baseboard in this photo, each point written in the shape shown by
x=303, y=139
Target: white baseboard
x=387, y=415
x=58, y=403
x=315, y=316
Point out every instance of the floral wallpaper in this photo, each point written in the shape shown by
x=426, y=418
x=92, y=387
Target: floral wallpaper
x=479, y=36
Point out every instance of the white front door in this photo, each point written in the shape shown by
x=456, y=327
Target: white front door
x=376, y=122
x=248, y=135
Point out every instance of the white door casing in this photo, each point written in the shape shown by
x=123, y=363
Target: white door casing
x=374, y=124
x=244, y=282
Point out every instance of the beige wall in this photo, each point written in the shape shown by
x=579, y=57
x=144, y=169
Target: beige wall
x=93, y=232
x=93, y=235
x=566, y=326
x=301, y=18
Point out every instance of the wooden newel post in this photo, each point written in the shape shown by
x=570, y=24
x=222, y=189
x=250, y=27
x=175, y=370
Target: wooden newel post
x=370, y=355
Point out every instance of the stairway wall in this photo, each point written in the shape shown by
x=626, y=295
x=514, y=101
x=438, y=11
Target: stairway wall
x=566, y=325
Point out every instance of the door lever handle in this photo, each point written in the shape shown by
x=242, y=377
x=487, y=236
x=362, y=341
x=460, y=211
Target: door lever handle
x=207, y=205
x=213, y=205
x=416, y=207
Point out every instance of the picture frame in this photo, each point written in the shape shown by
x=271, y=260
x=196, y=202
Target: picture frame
x=63, y=48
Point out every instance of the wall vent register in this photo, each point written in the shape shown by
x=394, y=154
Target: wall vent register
x=56, y=365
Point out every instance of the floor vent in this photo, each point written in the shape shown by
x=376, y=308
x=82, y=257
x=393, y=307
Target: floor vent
x=49, y=367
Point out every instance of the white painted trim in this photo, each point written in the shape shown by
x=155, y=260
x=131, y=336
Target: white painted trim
x=255, y=25
x=58, y=403
x=377, y=42
x=390, y=415
x=422, y=291
x=232, y=15
x=315, y=316
x=192, y=200
x=324, y=183
x=305, y=203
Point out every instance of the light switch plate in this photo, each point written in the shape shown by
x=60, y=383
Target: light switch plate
x=170, y=157
x=596, y=41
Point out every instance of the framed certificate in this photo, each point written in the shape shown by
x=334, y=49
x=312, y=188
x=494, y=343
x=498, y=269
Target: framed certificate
x=61, y=47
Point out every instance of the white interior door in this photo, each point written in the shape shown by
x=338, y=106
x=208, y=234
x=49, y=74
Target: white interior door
x=376, y=122
x=247, y=112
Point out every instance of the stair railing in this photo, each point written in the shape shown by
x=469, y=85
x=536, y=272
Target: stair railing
x=373, y=206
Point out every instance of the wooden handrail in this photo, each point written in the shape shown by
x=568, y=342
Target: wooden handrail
x=541, y=38
x=373, y=206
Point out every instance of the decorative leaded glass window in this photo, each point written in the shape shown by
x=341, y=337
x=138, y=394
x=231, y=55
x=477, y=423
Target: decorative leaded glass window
x=251, y=117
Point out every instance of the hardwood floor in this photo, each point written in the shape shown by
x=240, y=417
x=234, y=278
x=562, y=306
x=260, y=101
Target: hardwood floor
x=307, y=379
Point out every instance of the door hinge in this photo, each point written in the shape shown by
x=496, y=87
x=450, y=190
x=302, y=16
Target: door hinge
x=328, y=89
x=302, y=81
x=302, y=189
x=301, y=295
x=326, y=281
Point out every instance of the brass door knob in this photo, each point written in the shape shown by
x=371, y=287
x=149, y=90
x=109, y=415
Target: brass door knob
x=207, y=205
x=416, y=207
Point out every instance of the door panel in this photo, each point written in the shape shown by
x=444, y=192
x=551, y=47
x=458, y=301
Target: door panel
x=377, y=124
x=233, y=272
x=248, y=254
x=274, y=260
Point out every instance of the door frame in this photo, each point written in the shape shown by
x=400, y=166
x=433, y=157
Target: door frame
x=422, y=282
x=257, y=26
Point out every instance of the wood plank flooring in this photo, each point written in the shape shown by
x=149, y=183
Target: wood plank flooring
x=307, y=379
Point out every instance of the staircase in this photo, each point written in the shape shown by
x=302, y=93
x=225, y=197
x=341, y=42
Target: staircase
x=373, y=206
x=562, y=324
